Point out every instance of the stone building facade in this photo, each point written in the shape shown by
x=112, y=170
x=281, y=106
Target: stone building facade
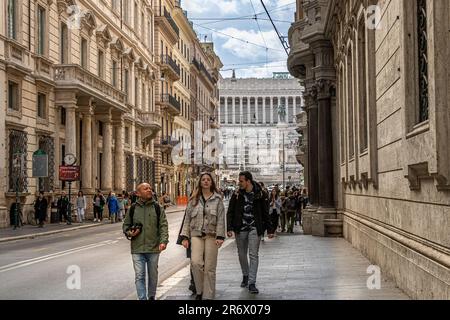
x=254, y=115
x=90, y=78
x=377, y=86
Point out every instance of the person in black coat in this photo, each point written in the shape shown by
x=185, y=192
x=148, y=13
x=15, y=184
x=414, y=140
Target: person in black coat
x=63, y=208
x=40, y=209
x=248, y=218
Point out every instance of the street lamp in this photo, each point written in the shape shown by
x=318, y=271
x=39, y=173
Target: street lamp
x=282, y=114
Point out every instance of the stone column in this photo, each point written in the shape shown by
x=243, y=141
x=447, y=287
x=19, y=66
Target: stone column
x=94, y=138
x=227, y=112
x=233, y=113
x=86, y=161
x=3, y=181
x=71, y=129
x=106, y=165
x=119, y=183
x=264, y=110
x=272, y=120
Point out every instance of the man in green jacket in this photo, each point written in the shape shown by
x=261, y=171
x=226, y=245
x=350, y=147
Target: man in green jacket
x=147, y=242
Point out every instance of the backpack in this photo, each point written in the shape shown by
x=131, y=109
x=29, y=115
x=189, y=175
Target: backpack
x=157, y=209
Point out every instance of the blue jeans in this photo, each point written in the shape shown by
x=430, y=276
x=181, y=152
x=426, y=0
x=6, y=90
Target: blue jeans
x=139, y=262
x=248, y=247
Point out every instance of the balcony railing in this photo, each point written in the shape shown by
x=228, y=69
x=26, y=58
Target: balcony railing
x=206, y=72
x=169, y=99
x=196, y=64
x=169, y=141
x=162, y=12
x=166, y=59
x=73, y=74
x=149, y=118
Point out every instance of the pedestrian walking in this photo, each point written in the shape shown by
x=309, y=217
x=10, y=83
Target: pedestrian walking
x=113, y=207
x=248, y=219
x=275, y=208
x=147, y=228
x=63, y=209
x=123, y=203
x=204, y=230
x=81, y=206
x=98, y=203
x=291, y=209
x=40, y=209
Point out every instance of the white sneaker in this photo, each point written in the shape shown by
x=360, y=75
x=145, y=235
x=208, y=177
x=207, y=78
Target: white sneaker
x=95, y=220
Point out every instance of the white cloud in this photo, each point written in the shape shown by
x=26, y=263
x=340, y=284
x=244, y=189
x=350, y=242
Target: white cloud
x=218, y=8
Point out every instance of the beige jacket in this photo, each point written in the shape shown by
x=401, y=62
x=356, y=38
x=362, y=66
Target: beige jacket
x=204, y=218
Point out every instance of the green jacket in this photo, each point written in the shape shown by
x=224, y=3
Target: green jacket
x=151, y=236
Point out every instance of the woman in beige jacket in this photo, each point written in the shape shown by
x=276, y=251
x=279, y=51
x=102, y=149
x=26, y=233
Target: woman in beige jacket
x=204, y=229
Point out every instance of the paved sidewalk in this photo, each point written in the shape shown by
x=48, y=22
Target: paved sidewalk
x=292, y=267
x=29, y=231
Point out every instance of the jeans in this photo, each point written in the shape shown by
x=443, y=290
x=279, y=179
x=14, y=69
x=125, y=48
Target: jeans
x=80, y=214
x=248, y=243
x=139, y=262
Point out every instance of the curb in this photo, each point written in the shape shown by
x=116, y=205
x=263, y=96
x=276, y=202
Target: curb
x=43, y=234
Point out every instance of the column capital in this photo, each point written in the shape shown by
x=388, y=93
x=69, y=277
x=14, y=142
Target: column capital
x=325, y=89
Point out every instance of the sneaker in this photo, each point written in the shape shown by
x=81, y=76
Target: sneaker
x=244, y=282
x=252, y=289
x=199, y=297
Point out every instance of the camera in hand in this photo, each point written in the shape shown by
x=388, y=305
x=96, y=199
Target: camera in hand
x=133, y=228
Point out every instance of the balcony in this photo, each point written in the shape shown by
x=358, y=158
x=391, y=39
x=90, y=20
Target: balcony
x=74, y=78
x=167, y=143
x=16, y=56
x=169, y=67
x=196, y=64
x=206, y=74
x=166, y=24
x=150, y=122
x=169, y=103
x=44, y=70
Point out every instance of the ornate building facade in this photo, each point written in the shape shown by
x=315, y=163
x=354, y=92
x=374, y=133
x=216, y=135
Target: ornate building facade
x=377, y=88
x=94, y=79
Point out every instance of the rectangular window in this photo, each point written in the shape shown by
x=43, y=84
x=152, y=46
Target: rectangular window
x=362, y=70
x=18, y=161
x=351, y=141
x=64, y=42
x=100, y=128
x=127, y=88
x=84, y=53
x=126, y=11
x=63, y=116
x=136, y=92
x=142, y=27
x=136, y=18
x=422, y=47
x=136, y=138
x=13, y=96
x=12, y=19
x=42, y=35
x=127, y=135
x=114, y=73
x=101, y=64
x=42, y=106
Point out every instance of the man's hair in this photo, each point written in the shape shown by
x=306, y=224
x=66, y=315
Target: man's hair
x=247, y=175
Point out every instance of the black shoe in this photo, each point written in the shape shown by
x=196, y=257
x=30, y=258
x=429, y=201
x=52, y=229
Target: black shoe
x=252, y=289
x=192, y=288
x=198, y=297
x=244, y=282
x=151, y=298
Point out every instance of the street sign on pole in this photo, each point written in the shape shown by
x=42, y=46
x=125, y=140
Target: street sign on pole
x=69, y=173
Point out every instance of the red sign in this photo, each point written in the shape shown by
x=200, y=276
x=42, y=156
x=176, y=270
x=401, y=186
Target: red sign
x=69, y=173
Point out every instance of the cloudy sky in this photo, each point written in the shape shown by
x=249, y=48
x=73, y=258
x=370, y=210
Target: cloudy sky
x=248, y=45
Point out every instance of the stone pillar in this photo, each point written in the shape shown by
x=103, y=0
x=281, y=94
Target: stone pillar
x=94, y=138
x=233, y=113
x=106, y=166
x=86, y=161
x=119, y=183
x=3, y=136
x=71, y=129
x=227, y=112
x=313, y=174
x=272, y=120
x=264, y=110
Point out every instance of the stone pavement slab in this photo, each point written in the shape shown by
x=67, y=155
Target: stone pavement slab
x=292, y=267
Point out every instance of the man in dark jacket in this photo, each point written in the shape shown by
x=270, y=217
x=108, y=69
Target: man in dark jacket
x=40, y=209
x=248, y=218
x=148, y=241
x=63, y=208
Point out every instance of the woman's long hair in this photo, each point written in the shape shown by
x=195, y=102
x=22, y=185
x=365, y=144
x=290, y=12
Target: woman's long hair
x=198, y=191
x=272, y=195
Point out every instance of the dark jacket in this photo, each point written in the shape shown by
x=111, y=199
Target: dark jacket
x=40, y=209
x=152, y=235
x=63, y=204
x=260, y=211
